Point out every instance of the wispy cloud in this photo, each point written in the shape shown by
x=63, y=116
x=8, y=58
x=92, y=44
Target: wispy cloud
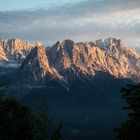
x=83, y=21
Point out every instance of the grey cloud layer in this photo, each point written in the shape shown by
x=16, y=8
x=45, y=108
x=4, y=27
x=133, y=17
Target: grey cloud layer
x=83, y=21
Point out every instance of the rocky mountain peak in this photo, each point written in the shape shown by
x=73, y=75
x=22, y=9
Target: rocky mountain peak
x=60, y=54
x=14, y=50
x=110, y=43
x=38, y=59
x=64, y=45
x=67, y=43
x=36, y=68
x=39, y=44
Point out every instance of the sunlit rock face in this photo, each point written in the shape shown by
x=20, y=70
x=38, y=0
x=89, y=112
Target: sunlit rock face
x=67, y=60
x=108, y=55
x=35, y=69
x=14, y=51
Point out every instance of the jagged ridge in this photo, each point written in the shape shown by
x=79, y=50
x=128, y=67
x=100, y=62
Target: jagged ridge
x=110, y=55
x=35, y=69
x=14, y=51
x=68, y=60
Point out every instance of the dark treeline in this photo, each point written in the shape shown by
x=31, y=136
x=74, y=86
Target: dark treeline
x=130, y=130
x=19, y=122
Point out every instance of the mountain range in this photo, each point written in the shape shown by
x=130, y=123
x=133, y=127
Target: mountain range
x=109, y=55
x=68, y=60
x=80, y=82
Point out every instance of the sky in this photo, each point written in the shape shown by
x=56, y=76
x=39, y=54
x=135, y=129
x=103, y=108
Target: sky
x=48, y=21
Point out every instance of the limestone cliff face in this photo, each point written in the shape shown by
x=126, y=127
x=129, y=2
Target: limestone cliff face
x=67, y=60
x=35, y=69
x=110, y=55
x=3, y=56
x=14, y=50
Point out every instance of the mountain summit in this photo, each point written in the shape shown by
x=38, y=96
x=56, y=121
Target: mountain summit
x=14, y=51
x=36, y=69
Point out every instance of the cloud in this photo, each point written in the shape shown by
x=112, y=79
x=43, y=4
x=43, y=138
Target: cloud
x=81, y=22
